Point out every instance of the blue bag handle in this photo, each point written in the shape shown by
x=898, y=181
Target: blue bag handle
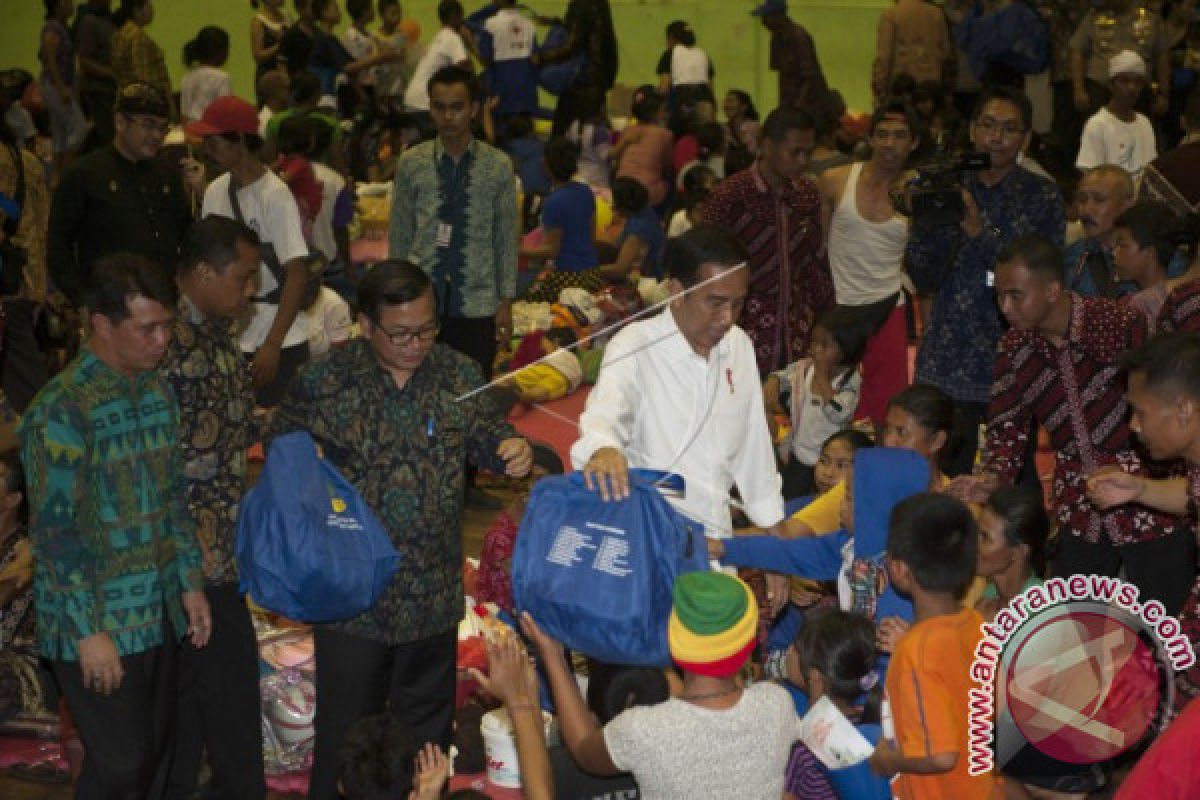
x=653, y=478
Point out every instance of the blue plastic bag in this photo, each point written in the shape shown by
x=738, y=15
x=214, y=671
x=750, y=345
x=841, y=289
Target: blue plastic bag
x=597, y=575
x=308, y=546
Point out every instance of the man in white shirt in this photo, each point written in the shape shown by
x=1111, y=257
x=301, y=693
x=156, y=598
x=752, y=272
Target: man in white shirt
x=1117, y=134
x=679, y=392
x=274, y=336
x=507, y=46
x=446, y=49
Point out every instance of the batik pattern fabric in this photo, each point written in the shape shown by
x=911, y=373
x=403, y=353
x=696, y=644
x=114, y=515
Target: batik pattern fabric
x=405, y=451
x=212, y=383
x=1074, y=390
x=790, y=282
x=113, y=544
x=959, y=345
x=1180, y=312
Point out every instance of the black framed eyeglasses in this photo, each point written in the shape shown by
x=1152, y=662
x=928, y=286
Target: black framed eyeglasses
x=403, y=336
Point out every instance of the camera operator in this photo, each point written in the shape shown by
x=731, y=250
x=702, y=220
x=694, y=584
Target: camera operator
x=954, y=262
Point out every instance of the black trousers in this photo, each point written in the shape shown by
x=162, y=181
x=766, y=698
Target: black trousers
x=291, y=359
x=474, y=337
x=126, y=734
x=24, y=372
x=1163, y=569
x=358, y=677
x=219, y=708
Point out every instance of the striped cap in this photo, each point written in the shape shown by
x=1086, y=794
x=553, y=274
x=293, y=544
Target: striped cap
x=713, y=623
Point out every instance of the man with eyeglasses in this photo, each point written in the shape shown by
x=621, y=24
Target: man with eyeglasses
x=397, y=413
x=954, y=263
x=120, y=198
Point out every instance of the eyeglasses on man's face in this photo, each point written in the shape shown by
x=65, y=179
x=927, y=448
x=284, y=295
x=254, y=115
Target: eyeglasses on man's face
x=402, y=336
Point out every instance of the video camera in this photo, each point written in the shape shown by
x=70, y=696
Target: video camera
x=934, y=196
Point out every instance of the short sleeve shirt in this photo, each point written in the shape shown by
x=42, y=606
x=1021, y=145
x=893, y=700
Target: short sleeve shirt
x=446, y=49
x=572, y=209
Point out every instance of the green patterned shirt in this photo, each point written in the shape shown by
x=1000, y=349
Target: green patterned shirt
x=476, y=266
x=112, y=542
x=405, y=451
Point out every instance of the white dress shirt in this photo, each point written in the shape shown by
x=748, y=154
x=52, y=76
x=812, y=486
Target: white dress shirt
x=665, y=407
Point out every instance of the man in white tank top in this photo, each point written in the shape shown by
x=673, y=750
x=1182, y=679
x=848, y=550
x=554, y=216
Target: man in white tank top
x=866, y=241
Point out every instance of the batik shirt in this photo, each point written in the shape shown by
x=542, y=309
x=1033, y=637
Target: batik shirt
x=1075, y=392
x=458, y=222
x=790, y=282
x=405, y=451
x=212, y=383
x=958, y=347
x=1181, y=310
x=1187, y=683
x=112, y=540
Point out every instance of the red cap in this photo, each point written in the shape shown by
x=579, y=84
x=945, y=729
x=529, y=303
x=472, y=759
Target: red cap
x=226, y=114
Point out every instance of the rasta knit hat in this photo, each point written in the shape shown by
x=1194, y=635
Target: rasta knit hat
x=713, y=623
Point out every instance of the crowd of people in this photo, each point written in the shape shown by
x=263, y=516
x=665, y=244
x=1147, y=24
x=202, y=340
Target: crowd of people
x=1020, y=209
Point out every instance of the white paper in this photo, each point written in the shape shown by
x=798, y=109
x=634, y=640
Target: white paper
x=832, y=738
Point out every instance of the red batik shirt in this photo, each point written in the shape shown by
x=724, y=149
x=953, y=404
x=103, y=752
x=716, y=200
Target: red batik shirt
x=1187, y=683
x=1077, y=394
x=1180, y=312
x=790, y=282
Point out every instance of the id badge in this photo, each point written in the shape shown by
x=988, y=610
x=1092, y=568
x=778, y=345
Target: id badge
x=444, y=231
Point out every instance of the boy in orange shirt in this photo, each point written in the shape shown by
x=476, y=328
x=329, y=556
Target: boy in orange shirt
x=932, y=540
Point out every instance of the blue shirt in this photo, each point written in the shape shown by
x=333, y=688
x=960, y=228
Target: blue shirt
x=572, y=209
x=527, y=157
x=646, y=226
x=1079, y=275
x=959, y=347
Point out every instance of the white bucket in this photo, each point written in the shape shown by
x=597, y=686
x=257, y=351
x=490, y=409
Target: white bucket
x=500, y=746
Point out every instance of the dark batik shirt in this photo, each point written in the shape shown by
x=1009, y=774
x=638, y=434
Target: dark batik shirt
x=405, y=451
x=1181, y=310
x=1075, y=392
x=790, y=282
x=212, y=382
x=958, y=347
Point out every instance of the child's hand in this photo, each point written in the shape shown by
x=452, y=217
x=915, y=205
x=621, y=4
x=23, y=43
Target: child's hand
x=716, y=549
x=511, y=678
x=884, y=760
x=547, y=645
x=804, y=596
x=433, y=770
x=889, y=633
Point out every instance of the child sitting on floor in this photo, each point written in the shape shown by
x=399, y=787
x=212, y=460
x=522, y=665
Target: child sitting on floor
x=493, y=582
x=834, y=656
x=932, y=546
x=819, y=394
x=553, y=376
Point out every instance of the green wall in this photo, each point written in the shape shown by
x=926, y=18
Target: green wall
x=843, y=29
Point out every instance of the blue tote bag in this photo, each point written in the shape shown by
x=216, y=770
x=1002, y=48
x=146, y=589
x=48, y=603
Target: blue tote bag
x=308, y=546
x=597, y=575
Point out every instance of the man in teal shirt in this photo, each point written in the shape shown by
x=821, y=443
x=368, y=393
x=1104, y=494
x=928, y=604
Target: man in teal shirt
x=117, y=566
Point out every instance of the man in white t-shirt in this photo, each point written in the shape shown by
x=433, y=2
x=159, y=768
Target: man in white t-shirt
x=507, y=46
x=446, y=49
x=1117, y=134
x=273, y=336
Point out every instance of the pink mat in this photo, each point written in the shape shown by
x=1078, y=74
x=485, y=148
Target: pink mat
x=556, y=423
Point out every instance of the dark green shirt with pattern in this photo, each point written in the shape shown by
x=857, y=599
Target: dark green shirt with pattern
x=112, y=541
x=405, y=451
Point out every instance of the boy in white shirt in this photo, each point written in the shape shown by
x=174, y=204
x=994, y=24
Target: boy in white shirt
x=1116, y=134
x=446, y=49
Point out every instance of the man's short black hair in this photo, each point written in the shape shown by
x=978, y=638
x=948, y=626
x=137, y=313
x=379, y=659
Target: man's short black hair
x=213, y=241
x=562, y=158
x=377, y=759
x=121, y=277
x=1039, y=255
x=449, y=10
x=783, y=120
x=1009, y=95
x=306, y=88
x=448, y=76
x=935, y=535
x=356, y=8
x=703, y=244
x=1169, y=362
x=392, y=282
x=894, y=108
